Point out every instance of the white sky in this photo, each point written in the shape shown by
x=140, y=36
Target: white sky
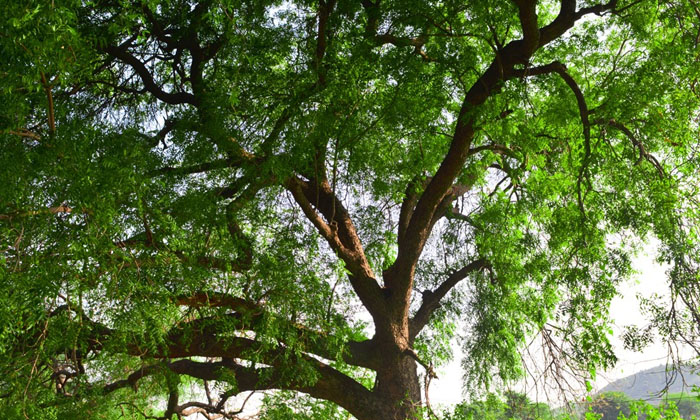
x=650, y=279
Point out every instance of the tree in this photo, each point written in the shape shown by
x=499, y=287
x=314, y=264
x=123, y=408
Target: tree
x=687, y=408
x=520, y=407
x=610, y=405
x=516, y=406
x=491, y=408
x=201, y=199
x=641, y=410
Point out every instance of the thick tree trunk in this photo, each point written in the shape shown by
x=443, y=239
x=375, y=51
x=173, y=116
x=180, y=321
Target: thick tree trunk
x=396, y=396
x=398, y=390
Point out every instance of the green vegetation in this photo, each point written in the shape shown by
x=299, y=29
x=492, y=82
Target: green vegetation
x=202, y=199
x=605, y=406
x=512, y=406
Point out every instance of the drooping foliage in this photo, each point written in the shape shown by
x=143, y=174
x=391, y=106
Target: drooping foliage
x=200, y=199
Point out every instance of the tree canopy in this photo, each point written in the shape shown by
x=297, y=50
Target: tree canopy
x=201, y=199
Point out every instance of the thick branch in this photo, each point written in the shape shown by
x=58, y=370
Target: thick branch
x=149, y=82
x=330, y=384
x=373, y=14
x=132, y=380
x=432, y=299
x=211, y=336
x=341, y=235
x=324, y=12
x=568, y=16
x=357, y=353
x=407, y=207
x=528, y=21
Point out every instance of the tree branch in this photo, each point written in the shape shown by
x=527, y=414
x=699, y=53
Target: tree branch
x=329, y=384
x=358, y=353
x=324, y=11
x=500, y=70
x=25, y=133
x=568, y=16
x=62, y=209
x=496, y=148
x=560, y=69
x=432, y=299
x=643, y=154
x=193, y=169
x=341, y=235
x=49, y=98
x=121, y=53
x=527, y=14
x=400, y=275
x=407, y=207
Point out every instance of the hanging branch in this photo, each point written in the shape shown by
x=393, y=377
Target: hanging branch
x=49, y=97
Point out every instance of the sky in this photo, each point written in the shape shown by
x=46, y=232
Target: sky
x=650, y=278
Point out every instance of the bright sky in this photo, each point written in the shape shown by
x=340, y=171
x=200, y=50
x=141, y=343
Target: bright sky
x=650, y=279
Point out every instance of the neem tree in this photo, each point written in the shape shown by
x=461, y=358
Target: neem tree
x=203, y=199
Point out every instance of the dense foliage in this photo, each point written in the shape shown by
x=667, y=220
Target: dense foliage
x=200, y=199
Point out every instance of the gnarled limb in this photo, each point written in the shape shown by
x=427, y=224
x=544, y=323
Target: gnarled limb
x=330, y=385
x=199, y=339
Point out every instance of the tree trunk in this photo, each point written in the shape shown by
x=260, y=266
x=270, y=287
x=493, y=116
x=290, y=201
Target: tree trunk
x=398, y=390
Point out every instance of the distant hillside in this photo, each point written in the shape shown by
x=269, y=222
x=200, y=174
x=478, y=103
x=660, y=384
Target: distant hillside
x=646, y=385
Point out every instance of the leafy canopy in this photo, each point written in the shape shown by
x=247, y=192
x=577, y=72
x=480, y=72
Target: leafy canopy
x=241, y=195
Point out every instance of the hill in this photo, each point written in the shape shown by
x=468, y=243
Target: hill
x=649, y=383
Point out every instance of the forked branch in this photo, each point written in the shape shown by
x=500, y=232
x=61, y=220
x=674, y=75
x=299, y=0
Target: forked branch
x=432, y=299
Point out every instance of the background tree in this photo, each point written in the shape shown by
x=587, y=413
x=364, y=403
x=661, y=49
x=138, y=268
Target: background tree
x=205, y=198
x=687, y=406
x=519, y=406
x=490, y=408
x=513, y=405
x=610, y=405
